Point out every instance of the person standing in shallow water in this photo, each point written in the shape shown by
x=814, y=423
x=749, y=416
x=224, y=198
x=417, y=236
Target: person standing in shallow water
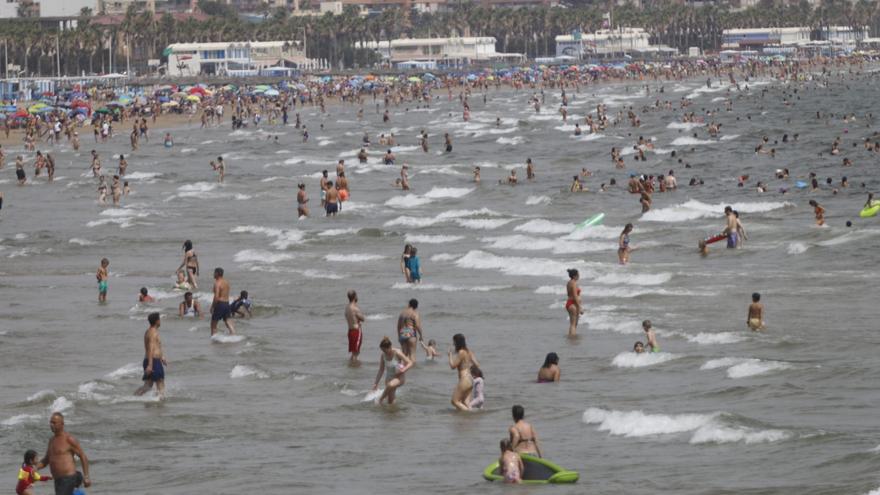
x=60, y=459
x=154, y=359
x=573, y=303
x=220, y=309
x=355, y=319
x=462, y=360
x=523, y=438
x=395, y=373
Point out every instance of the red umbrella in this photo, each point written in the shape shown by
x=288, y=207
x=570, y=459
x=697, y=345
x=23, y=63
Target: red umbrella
x=197, y=89
x=21, y=112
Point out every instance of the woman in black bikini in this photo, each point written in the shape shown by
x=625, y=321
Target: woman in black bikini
x=523, y=438
x=190, y=263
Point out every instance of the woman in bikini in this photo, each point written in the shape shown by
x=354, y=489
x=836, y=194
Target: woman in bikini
x=394, y=372
x=549, y=372
x=573, y=304
x=523, y=438
x=623, y=248
x=190, y=263
x=462, y=359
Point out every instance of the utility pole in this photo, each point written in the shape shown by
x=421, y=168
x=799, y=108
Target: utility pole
x=6, y=55
x=58, y=53
x=128, y=55
x=111, y=53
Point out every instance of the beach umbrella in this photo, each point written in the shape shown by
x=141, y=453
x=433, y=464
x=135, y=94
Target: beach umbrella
x=197, y=90
x=45, y=110
x=36, y=107
x=124, y=99
x=271, y=92
x=164, y=99
x=170, y=104
x=472, y=77
x=262, y=87
x=115, y=104
x=413, y=79
x=9, y=108
x=193, y=98
x=21, y=112
x=2, y=116
x=429, y=76
x=230, y=87
x=179, y=94
x=103, y=110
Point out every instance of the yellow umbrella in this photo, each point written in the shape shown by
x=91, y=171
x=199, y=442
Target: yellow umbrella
x=193, y=98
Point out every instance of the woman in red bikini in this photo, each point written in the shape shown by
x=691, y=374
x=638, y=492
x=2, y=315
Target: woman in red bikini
x=573, y=304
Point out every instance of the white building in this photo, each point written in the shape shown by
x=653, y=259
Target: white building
x=234, y=57
x=443, y=51
x=48, y=8
x=843, y=34
x=608, y=42
x=758, y=37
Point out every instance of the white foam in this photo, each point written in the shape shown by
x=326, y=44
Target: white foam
x=744, y=367
x=512, y=265
x=335, y=232
x=689, y=141
x=408, y=201
x=797, y=248
x=81, y=242
x=283, y=238
x=483, y=223
x=41, y=395
x=512, y=141
x=448, y=192
x=260, y=256
x=633, y=278
x=444, y=257
x=91, y=390
x=639, y=424
x=227, y=339
x=378, y=316
x=142, y=175
x=685, y=125
x=432, y=239
x=556, y=246
x=129, y=370
x=353, y=258
x=693, y=209
x=242, y=371
x=538, y=200
x=705, y=338
x=21, y=419
x=633, y=360
x=542, y=226
x=713, y=433
x=60, y=404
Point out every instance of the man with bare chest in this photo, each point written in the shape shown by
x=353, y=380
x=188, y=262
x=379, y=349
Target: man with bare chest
x=59, y=457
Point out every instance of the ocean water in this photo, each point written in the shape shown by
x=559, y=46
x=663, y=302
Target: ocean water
x=277, y=409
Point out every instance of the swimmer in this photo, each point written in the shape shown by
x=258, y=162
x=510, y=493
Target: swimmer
x=220, y=303
x=145, y=297
x=331, y=204
x=169, y=141
x=478, y=398
x=430, y=349
x=755, y=319
x=394, y=372
x=576, y=185
x=530, y=169
x=550, y=371
x=241, y=307
x=154, y=359
x=409, y=328
x=404, y=177
x=28, y=474
x=190, y=264
x=573, y=304
x=462, y=359
x=181, y=283
x=650, y=336
x=102, y=277
x=511, y=179
x=510, y=464
x=355, y=319
x=623, y=247
x=189, y=307
x=523, y=438
x=415, y=274
x=819, y=211
x=477, y=175
x=639, y=347
x=302, y=200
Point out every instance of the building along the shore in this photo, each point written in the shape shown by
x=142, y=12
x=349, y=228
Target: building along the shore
x=236, y=58
x=610, y=42
x=439, y=52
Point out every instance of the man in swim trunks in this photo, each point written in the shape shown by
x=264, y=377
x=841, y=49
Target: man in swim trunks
x=220, y=305
x=102, y=277
x=409, y=329
x=355, y=319
x=731, y=229
x=154, y=359
x=331, y=204
x=59, y=457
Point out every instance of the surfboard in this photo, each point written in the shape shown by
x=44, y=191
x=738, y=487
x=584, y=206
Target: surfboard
x=537, y=472
x=714, y=238
x=871, y=210
x=593, y=220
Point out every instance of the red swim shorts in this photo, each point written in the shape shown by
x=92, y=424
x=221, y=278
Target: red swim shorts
x=355, y=338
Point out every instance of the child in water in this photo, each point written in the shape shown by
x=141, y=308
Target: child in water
x=430, y=349
x=145, y=297
x=28, y=474
x=241, y=307
x=510, y=465
x=650, y=336
x=639, y=347
x=415, y=273
x=478, y=398
x=755, y=320
x=102, y=277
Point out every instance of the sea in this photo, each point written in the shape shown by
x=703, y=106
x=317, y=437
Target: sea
x=276, y=409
